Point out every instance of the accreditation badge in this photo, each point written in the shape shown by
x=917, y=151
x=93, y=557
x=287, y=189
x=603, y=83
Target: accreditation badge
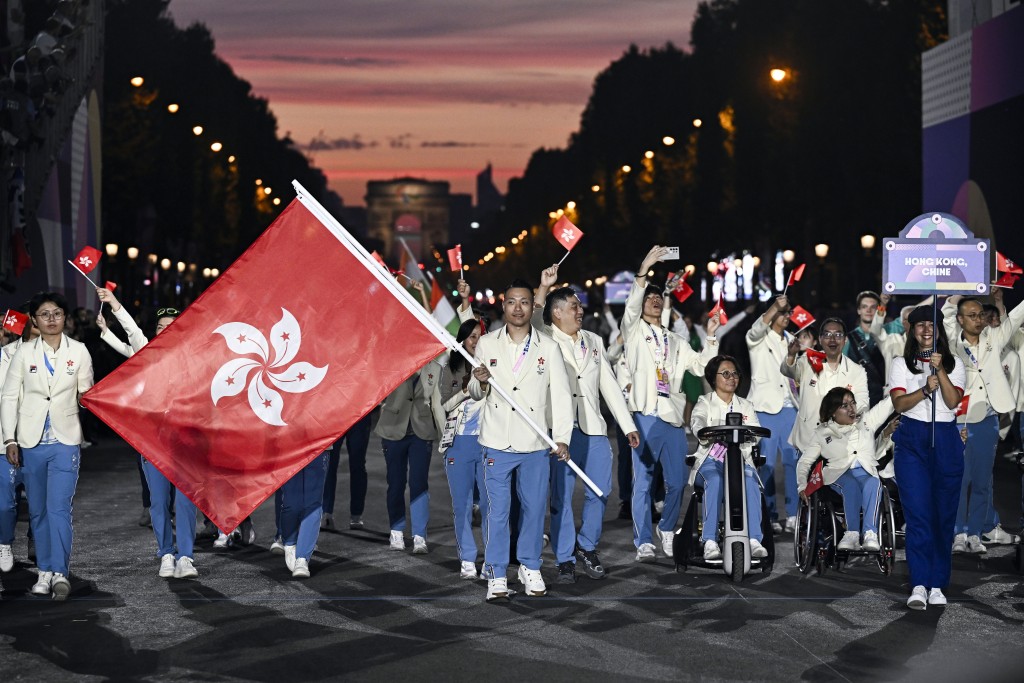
x=661, y=382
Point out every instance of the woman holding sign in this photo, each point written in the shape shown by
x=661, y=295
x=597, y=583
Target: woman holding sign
x=929, y=458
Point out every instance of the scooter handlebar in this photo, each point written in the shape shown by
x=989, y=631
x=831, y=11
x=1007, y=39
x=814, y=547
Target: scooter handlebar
x=726, y=431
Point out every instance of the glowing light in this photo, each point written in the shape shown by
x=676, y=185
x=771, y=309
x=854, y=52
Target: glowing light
x=595, y=188
x=552, y=214
x=515, y=240
x=627, y=168
x=474, y=225
x=465, y=267
x=571, y=205
x=778, y=75
x=216, y=147
x=138, y=81
x=668, y=141
x=214, y=272
x=231, y=159
x=648, y=154
x=259, y=181
x=152, y=259
x=165, y=263
x=111, y=250
x=820, y=250
x=133, y=253
x=713, y=267
x=697, y=123
x=197, y=130
x=267, y=190
x=173, y=108
x=867, y=241
x=181, y=266
x=206, y=272
x=788, y=255
x=277, y=201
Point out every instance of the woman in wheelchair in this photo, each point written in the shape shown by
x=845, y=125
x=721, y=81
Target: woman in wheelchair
x=723, y=374
x=846, y=442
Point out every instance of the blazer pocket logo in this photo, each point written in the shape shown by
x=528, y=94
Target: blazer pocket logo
x=33, y=369
x=494, y=362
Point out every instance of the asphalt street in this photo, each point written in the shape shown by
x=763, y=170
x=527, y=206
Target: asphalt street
x=370, y=613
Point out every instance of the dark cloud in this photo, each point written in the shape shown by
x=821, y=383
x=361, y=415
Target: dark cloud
x=354, y=143
x=347, y=62
x=452, y=143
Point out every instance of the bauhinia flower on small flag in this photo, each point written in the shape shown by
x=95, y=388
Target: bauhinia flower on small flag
x=566, y=233
x=796, y=274
x=15, y=321
x=719, y=310
x=682, y=291
x=1006, y=281
x=815, y=480
x=455, y=258
x=110, y=285
x=816, y=359
x=87, y=260
x=1005, y=265
x=800, y=317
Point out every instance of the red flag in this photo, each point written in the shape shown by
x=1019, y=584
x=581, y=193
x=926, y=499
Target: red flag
x=436, y=294
x=815, y=480
x=816, y=359
x=1005, y=265
x=254, y=380
x=15, y=321
x=87, y=259
x=455, y=258
x=800, y=317
x=1006, y=281
x=961, y=409
x=796, y=274
x=110, y=285
x=566, y=233
x=682, y=291
x=719, y=310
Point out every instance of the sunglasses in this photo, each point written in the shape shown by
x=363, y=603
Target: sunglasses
x=165, y=312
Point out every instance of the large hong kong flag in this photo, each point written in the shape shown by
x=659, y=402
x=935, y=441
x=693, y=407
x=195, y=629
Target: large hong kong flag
x=292, y=345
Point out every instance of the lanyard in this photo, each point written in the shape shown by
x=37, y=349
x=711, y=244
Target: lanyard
x=967, y=350
x=657, y=346
x=46, y=362
x=522, y=356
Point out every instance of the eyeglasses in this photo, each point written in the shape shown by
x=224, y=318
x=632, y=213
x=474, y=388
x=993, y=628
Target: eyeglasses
x=51, y=315
x=974, y=316
x=833, y=335
x=164, y=312
x=849, y=405
x=728, y=374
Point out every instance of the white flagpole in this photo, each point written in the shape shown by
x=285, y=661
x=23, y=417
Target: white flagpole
x=565, y=257
x=412, y=259
x=423, y=316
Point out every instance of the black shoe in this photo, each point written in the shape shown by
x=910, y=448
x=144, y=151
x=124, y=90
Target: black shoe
x=625, y=510
x=591, y=563
x=567, y=572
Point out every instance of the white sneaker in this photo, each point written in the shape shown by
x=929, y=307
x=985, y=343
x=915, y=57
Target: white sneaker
x=397, y=540
x=645, y=553
x=667, y=538
x=659, y=506
x=301, y=570
x=871, y=541
x=419, y=545
x=277, y=547
x=468, y=571
x=166, y=566
x=975, y=546
x=851, y=541
x=60, y=586
x=757, y=550
x=497, y=589
x=223, y=540
x=960, y=543
x=995, y=537
x=533, y=582
x=183, y=569
x=42, y=584
x=918, y=598
x=776, y=528
x=6, y=558
x=935, y=597
x=289, y=557
x=712, y=551
x=791, y=524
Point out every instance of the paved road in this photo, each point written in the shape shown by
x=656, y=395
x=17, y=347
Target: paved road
x=369, y=613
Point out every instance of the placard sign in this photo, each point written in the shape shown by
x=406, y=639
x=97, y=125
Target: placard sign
x=935, y=254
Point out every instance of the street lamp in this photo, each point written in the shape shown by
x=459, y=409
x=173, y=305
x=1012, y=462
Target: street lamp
x=821, y=250
x=626, y=168
x=173, y=108
x=137, y=81
x=788, y=255
x=713, y=267
x=197, y=130
x=778, y=75
x=181, y=266
x=867, y=242
x=668, y=141
x=111, y=250
x=697, y=123
x=165, y=264
x=216, y=147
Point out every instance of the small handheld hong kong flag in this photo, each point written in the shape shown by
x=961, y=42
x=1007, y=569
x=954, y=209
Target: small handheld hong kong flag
x=816, y=359
x=682, y=291
x=1006, y=281
x=111, y=286
x=800, y=317
x=1005, y=265
x=796, y=274
x=566, y=233
x=815, y=480
x=455, y=258
x=87, y=260
x=719, y=310
x=961, y=409
x=15, y=321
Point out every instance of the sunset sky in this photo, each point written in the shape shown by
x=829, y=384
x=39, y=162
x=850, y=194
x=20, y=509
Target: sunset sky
x=431, y=88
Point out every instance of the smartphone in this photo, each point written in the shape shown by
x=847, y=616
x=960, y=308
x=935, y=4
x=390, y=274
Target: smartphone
x=672, y=255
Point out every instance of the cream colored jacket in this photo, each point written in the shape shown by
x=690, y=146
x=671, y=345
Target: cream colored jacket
x=813, y=388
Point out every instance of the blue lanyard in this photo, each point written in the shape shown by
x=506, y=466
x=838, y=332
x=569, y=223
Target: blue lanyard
x=522, y=356
x=657, y=346
x=46, y=362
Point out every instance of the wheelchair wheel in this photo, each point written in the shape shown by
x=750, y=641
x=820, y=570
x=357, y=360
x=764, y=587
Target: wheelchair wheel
x=826, y=538
x=805, y=535
x=769, y=538
x=886, y=533
x=737, y=549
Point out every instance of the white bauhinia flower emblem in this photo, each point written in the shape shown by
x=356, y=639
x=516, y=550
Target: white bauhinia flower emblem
x=85, y=261
x=568, y=234
x=800, y=317
x=11, y=321
x=234, y=376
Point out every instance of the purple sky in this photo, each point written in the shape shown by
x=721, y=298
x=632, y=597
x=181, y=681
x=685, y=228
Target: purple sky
x=432, y=88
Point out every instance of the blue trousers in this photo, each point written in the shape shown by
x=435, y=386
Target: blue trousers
x=146, y=502
x=976, y=486
x=408, y=462
x=464, y=466
x=712, y=471
x=302, y=499
x=593, y=455
x=161, y=493
x=860, y=491
x=532, y=474
x=357, y=441
x=929, y=480
x=781, y=424
x=664, y=444
x=10, y=477
x=51, y=475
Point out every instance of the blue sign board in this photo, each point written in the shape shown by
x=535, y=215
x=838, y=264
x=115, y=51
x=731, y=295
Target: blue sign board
x=935, y=254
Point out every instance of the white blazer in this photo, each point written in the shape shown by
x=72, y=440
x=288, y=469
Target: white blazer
x=710, y=411
x=833, y=443
x=640, y=359
x=136, y=339
x=6, y=356
x=813, y=388
x=28, y=397
x=986, y=381
x=768, y=386
x=410, y=401
x=541, y=388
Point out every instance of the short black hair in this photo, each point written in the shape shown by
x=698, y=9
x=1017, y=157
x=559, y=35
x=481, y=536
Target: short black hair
x=831, y=401
x=991, y=308
x=868, y=294
x=556, y=297
x=835, y=321
x=653, y=289
x=967, y=299
x=36, y=302
x=519, y=283
x=711, y=369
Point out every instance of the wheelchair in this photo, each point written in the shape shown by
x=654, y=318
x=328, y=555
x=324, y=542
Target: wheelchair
x=820, y=526
x=732, y=534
